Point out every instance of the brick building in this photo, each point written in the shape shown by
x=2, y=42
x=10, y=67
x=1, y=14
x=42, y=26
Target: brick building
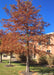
x=49, y=45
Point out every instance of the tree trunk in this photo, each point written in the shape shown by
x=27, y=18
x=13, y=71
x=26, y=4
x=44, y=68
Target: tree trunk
x=10, y=59
x=1, y=57
x=27, y=66
x=27, y=57
x=27, y=60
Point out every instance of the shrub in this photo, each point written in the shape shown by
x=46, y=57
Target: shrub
x=33, y=62
x=42, y=60
x=22, y=57
x=50, y=60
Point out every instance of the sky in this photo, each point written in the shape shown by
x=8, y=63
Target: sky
x=46, y=10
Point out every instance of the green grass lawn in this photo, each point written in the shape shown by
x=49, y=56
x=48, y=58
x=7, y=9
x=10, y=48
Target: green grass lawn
x=11, y=70
x=17, y=67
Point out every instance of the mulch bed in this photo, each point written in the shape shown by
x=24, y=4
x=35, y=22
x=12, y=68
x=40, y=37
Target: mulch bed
x=9, y=65
x=1, y=62
x=50, y=66
x=24, y=73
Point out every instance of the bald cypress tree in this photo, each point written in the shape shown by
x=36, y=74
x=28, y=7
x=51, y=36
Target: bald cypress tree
x=26, y=20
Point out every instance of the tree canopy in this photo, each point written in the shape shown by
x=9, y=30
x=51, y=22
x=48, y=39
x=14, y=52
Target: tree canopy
x=26, y=20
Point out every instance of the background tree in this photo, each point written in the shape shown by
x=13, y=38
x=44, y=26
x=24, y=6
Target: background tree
x=1, y=51
x=9, y=44
x=26, y=20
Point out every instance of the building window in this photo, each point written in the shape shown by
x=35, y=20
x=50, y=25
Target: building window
x=34, y=46
x=39, y=43
x=48, y=40
x=48, y=51
x=4, y=55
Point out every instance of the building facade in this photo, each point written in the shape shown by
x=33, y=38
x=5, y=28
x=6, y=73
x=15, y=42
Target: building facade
x=49, y=47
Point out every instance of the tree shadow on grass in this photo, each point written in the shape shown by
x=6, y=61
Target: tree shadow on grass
x=19, y=62
x=16, y=62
